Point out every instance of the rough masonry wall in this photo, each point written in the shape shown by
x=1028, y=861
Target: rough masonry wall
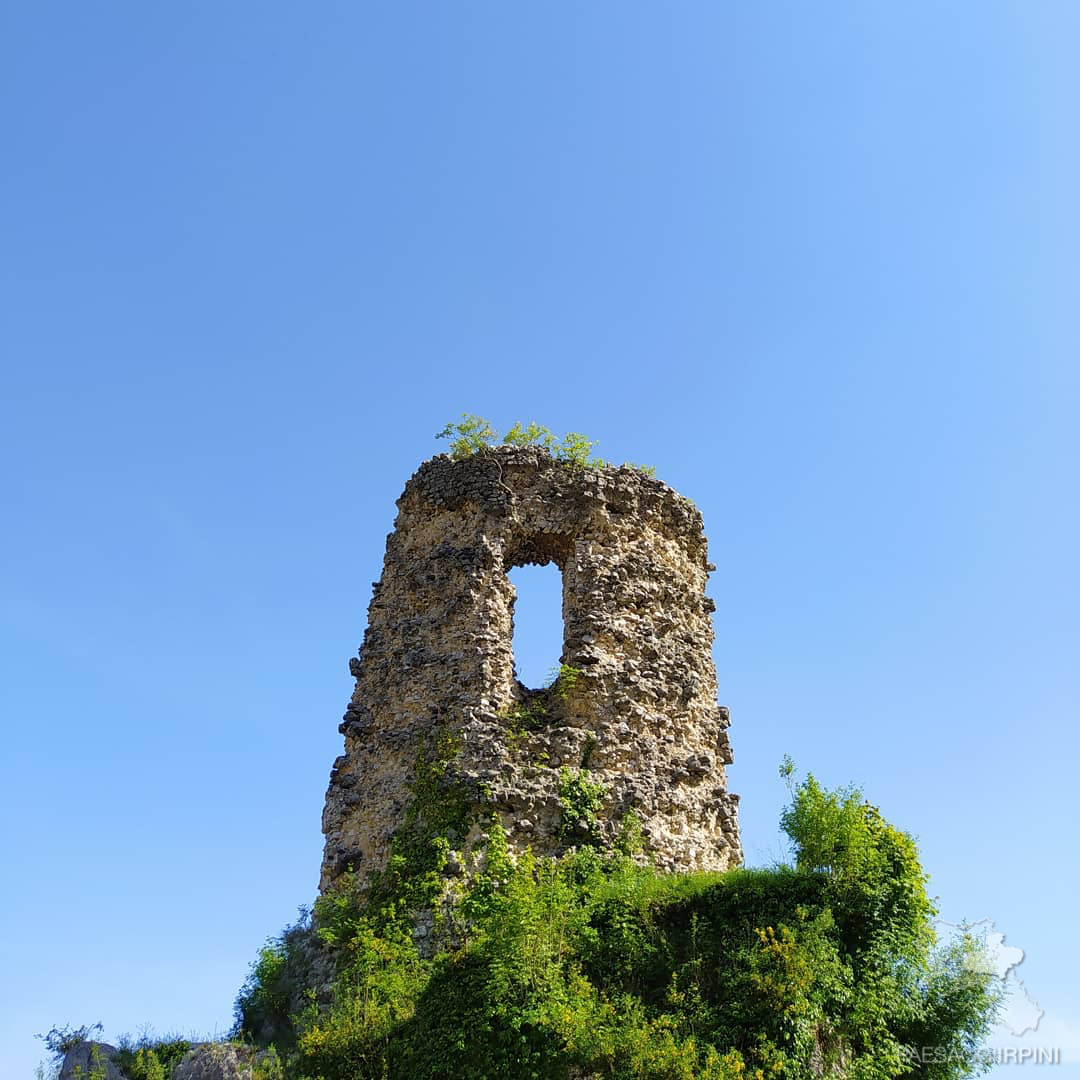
x=437, y=656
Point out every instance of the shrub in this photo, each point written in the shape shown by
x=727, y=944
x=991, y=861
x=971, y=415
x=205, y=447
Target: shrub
x=473, y=435
x=591, y=964
x=581, y=799
x=276, y=986
x=59, y=1040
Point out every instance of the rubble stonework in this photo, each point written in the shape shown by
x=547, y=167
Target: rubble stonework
x=437, y=657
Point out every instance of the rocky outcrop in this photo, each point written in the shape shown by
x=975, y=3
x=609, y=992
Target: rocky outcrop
x=90, y=1061
x=204, y=1061
x=225, y=1061
x=437, y=658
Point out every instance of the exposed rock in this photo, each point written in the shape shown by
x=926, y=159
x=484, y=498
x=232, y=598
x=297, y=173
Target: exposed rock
x=204, y=1061
x=90, y=1059
x=437, y=656
x=218, y=1061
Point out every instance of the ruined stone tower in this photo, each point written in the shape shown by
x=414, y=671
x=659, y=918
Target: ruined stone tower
x=437, y=657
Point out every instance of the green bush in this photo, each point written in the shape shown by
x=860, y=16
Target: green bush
x=581, y=799
x=475, y=435
x=143, y=1064
x=150, y=1057
x=276, y=987
x=147, y=1058
x=59, y=1040
x=596, y=965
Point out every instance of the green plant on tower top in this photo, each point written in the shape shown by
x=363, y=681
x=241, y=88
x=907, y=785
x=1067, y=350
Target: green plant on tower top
x=474, y=434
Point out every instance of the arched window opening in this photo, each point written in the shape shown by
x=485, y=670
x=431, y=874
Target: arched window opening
x=538, y=623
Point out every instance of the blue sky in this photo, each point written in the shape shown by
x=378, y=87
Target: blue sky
x=817, y=264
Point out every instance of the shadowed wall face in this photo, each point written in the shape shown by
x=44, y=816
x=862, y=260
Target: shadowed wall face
x=438, y=658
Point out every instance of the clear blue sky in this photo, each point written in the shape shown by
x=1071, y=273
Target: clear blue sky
x=818, y=264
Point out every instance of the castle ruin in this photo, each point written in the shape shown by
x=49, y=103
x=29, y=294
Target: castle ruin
x=437, y=657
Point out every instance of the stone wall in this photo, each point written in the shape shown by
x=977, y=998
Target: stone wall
x=437, y=656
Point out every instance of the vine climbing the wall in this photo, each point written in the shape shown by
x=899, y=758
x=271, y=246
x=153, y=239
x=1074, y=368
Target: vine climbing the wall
x=581, y=799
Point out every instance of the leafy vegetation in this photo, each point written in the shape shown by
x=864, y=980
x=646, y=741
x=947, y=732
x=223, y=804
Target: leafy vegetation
x=435, y=822
x=581, y=799
x=594, y=965
x=277, y=986
x=153, y=1061
x=147, y=1057
x=59, y=1040
x=534, y=711
x=475, y=435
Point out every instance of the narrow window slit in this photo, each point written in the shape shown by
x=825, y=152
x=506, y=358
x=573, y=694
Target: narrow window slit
x=538, y=623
